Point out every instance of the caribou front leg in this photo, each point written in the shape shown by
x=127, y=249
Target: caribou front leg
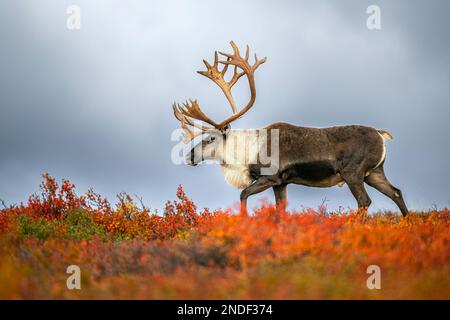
x=355, y=183
x=261, y=184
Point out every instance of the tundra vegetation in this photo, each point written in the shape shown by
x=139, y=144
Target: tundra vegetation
x=127, y=250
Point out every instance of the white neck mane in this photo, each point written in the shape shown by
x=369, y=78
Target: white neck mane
x=241, y=149
x=237, y=176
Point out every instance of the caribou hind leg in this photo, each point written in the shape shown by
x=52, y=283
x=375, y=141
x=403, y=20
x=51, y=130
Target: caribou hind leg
x=378, y=180
x=280, y=192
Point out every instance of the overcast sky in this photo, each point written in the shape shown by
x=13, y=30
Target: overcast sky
x=94, y=105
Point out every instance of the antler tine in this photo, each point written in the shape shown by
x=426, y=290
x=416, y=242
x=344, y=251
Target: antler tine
x=235, y=51
x=236, y=60
x=216, y=59
x=192, y=110
x=189, y=135
x=236, y=76
x=235, y=48
x=180, y=117
x=208, y=66
x=224, y=69
x=185, y=122
x=258, y=62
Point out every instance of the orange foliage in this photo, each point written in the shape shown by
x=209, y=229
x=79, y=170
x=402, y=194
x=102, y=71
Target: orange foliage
x=187, y=253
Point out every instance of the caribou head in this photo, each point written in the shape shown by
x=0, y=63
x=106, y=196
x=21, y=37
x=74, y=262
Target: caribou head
x=214, y=134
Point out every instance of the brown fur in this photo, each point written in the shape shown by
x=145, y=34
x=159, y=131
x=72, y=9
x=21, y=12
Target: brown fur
x=327, y=157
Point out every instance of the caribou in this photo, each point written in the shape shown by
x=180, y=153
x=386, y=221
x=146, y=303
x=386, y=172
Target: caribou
x=316, y=157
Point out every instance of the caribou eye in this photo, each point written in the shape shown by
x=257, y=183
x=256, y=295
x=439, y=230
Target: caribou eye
x=211, y=139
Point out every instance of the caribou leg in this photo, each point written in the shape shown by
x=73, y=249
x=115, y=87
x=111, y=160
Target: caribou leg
x=356, y=184
x=280, y=192
x=261, y=184
x=378, y=180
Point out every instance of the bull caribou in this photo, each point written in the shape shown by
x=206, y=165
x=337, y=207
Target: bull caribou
x=314, y=157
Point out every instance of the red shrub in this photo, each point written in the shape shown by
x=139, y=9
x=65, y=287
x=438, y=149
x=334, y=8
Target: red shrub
x=55, y=201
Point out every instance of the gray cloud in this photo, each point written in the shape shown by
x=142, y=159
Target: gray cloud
x=94, y=105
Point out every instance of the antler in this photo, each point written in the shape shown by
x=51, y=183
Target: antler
x=249, y=70
x=185, y=121
x=218, y=77
x=191, y=110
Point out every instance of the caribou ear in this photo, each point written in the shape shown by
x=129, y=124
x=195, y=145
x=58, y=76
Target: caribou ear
x=225, y=129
